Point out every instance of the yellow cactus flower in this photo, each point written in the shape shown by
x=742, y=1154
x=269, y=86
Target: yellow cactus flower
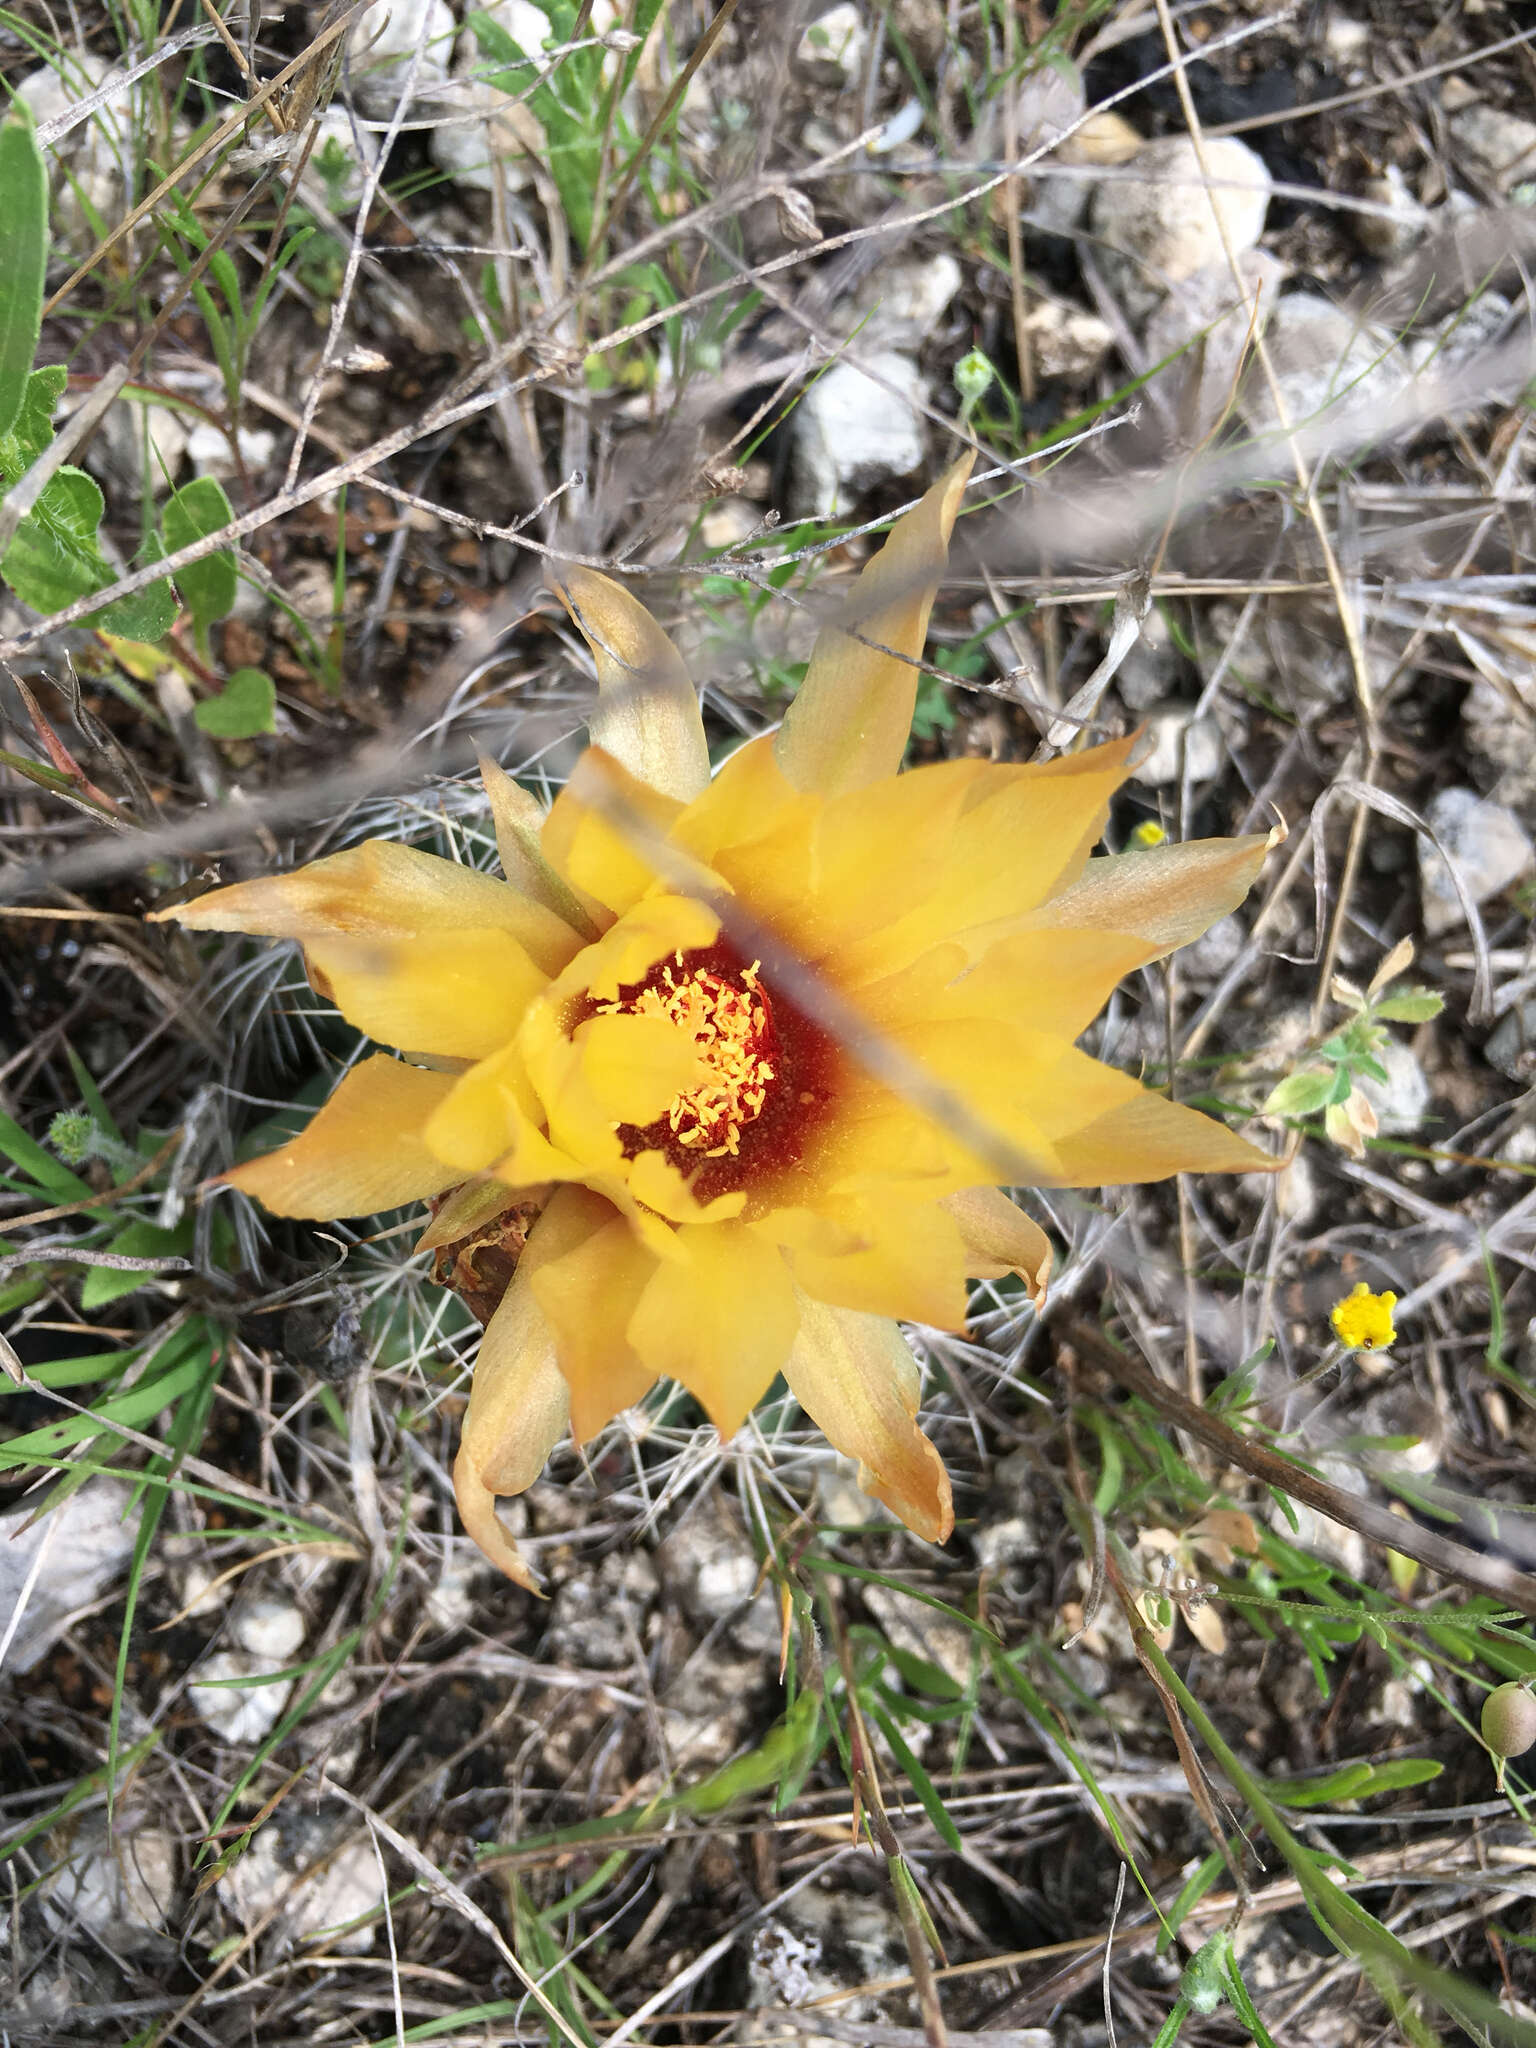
x=742, y=1058
x=1363, y=1321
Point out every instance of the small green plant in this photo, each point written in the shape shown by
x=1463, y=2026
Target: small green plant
x=567, y=97
x=1329, y=1080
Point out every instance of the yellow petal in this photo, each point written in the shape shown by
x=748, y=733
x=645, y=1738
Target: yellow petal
x=380, y=890
x=1051, y=981
x=647, y=710
x=600, y=830
x=489, y=1122
x=851, y=717
x=1000, y=1239
x=1167, y=896
x=747, y=798
x=1023, y=833
x=460, y=993
x=635, y=1066
x=588, y=1270
x=519, y=820
x=1110, y=1131
x=721, y=1319
x=361, y=1152
x=517, y=1414
x=856, y=1378
x=886, y=1258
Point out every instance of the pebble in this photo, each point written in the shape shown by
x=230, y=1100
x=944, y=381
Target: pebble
x=344, y=151
x=901, y=305
x=851, y=432
x=596, y=1622
x=835, y=43
x=1401, y=1102
x=210, y=454
x=239, y=1714
x=92, y=163
x=1388, y=237
x=1164, y=223
x=76, y=1551
x=382, y=48
x=481, y=134
x=1180, y=744
x=1150, y=666
x=270, y=1874
x=1324, y=360
x=1198, y=384
x=269, y=1628
x=118, y=446
x=1067, y=341
x=118, y=1885
x=1503, y=146
x=1511, y=1044
x=819, y=1943
x=921, y=1631
x=1489, y=845
x=709, y=1566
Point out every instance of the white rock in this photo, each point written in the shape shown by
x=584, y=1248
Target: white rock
x=453, y=1601
x=1296, y=1190
x=239, y=1713
x=1180, y=742
x=60, y=1565
x=1489, y=845
x=853, y=428
x=480, y=133
x=1199, y=383
x=1166, y=225
x=1151, y=663
x=118, y=1886
x=1503, y=146
x=1511, y=1044
x=92, y=164
x=1462, y=336
x=1345, y=39
x=141, y=442
x=901, y=304
x=1383, y=236
x=1067, y=341
x=339, y=163
x=1401, y=1102
x=209, y=452
x=836, y=42
x=922, y=1631
x=382, y=46
x=272, y=1873
x=728, y=521
x=1325, y=361
x=269, y=1628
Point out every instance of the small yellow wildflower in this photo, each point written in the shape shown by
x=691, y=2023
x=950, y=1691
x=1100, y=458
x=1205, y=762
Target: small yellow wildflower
x=1148, y=834
x=1363, y=1321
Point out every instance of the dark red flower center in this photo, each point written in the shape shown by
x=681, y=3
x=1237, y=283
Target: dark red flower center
x=768, y=1071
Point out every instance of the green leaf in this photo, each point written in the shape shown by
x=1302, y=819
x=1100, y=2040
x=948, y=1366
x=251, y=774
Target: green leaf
x=1409, y=1006
x=208, y=587
x=243, y=709
x=32, y=429
x=23, y=259
x=137, y=1240
x=1299, y=1094
x=1354, y=1781
x=55, y=559
x=917, y=1777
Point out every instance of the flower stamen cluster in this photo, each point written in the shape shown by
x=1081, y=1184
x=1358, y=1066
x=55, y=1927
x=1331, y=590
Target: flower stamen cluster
x=731, y=1025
